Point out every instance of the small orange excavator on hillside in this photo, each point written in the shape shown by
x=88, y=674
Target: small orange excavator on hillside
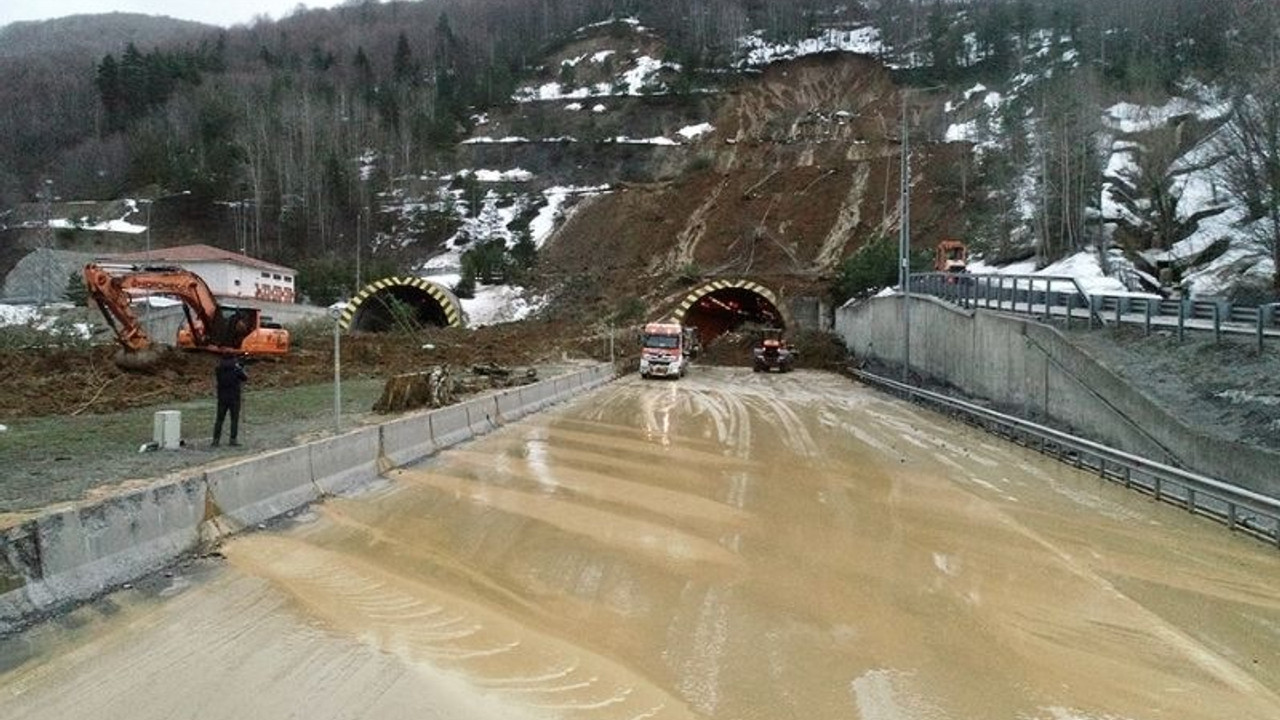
x=951, y=256
x=210, y=326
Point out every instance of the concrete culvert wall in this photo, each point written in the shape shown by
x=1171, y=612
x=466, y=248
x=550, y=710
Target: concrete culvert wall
x=384, y=305
x=1034, y=371
x=723, y=306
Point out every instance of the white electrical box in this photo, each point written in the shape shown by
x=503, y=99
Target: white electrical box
x=168, y=430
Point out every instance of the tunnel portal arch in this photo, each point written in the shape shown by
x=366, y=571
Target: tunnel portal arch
x=370, y=309
x=723, y=306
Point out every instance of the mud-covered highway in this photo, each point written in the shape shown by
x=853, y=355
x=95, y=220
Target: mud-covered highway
x=730, y=545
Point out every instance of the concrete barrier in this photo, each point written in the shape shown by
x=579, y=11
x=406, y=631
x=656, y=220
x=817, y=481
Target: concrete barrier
x=262, y=487
x=340, y=463
x=407, y=440
x=510, y=406
x=449, y=426
x=561, y=389
x=74, y=553
x=1032, y=370
x=537, y=396
x=482, y=415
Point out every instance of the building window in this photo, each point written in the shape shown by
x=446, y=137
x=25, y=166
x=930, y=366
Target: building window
x=266, y=275
x=236, y=282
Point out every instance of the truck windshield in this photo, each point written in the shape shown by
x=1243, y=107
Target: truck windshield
x=661, y=341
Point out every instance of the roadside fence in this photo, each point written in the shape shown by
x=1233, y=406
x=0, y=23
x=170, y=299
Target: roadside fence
x=1063, y=298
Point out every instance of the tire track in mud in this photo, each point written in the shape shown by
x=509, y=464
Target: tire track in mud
x=419, y=623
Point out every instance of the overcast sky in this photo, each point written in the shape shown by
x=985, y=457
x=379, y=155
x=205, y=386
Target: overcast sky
x=214, y=12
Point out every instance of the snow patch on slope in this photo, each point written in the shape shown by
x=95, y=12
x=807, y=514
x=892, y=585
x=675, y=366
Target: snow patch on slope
x=757, y=51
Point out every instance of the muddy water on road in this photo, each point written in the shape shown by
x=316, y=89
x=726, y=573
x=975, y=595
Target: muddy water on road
x=726, y=546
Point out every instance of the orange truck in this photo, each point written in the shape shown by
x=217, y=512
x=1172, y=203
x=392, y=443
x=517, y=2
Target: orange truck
x=665, y=349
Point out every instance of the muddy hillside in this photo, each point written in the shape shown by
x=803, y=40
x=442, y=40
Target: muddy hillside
x=801, y=170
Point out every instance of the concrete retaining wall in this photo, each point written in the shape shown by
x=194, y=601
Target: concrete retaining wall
x=74, y=553
x=1032, y=370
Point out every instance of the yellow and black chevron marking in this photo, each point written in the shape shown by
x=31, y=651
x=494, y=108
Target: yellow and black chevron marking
x=452, y=312
x=715, y=285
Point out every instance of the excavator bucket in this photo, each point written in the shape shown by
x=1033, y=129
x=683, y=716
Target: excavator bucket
x=142, y=361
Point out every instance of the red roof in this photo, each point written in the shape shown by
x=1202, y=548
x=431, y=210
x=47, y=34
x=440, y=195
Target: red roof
x=196, y=253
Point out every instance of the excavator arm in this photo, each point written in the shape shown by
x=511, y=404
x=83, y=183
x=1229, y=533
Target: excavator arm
x=109, y=292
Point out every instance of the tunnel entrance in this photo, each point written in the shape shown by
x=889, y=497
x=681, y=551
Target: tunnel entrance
x=396, y=302
x=724, y=306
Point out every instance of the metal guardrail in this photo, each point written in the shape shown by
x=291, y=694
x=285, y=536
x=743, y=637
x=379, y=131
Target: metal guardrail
x=1239, y=509
x=1052, y=297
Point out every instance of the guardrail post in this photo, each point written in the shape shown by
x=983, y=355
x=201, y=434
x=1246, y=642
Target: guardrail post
x=1119, y=309
x=1071, y=302
x=1182, y=318
x=999, y=291
x=1262, y=312
x=1048, y=297
x=1217, y=324
x=1147, y=322
x=1093, y=309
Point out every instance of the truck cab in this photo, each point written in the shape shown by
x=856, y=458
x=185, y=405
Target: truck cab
x=665, y=349
x=773, y=353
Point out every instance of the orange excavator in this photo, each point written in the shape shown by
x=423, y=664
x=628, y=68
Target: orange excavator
x=951, y=256
x=210, y=326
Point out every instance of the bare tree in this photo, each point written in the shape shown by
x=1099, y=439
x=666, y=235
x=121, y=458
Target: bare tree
x=1252, y=136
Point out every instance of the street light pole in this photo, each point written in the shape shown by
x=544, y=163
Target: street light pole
x=337, y=370
x=904, y=243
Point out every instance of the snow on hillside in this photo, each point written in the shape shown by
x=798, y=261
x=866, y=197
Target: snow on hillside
x=756, y=50
x=640, y=77
x=977, y=117
x=1082, y=266
x=44, y=319
x=18, y=314
x=1197, y=185
x=496, y=303
x=90, y=223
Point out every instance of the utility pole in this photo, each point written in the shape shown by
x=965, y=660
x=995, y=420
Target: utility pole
x=360, y=220
x=904, y=242
x=46, y=243
x=336, y=315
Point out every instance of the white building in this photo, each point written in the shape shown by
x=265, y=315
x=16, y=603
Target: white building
x=228, y=274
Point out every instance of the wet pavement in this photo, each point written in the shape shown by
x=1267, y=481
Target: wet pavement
x=729, y=545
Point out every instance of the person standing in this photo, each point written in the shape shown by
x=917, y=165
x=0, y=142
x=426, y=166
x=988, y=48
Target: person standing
x=229, y=376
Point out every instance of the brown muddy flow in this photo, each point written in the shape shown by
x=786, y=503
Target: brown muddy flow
x=728, y=546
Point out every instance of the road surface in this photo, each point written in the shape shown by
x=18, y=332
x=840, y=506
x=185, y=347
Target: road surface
x=730, y=545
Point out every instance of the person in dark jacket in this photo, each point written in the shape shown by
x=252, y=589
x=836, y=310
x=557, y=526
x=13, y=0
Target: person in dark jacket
x=229, y=375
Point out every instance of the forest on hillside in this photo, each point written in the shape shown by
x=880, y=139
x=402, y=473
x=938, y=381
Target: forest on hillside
x=276, y=116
